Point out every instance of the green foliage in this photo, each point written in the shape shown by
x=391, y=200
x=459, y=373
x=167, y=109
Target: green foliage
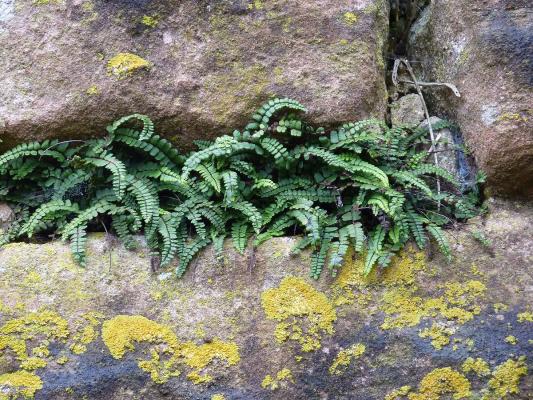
x=363, y=185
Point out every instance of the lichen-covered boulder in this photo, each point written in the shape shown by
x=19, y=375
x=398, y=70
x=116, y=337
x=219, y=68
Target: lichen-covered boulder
x=230, y=329
x=199, y=68
x=485, y=49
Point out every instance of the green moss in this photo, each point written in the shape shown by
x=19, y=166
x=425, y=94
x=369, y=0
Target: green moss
x=294, y=300
x=125, y=64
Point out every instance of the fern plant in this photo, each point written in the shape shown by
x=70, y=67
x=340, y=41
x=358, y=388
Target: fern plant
x=363, y=185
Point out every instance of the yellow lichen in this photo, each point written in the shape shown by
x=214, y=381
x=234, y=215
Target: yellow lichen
x=121, y=333
x=479, y=366
x=198, y=357
x=46, y=2
x=150, y=20
x=506, y=378
x=499, y=307
x=293, y=300
x=87, y=334
x=349, y=17
x=62, y=360
x=396, y=394
x=442, y=381
x=511, y=339
x=344, y=358
x=39, y=326
x=125, y=64
x=33, y=363
x=92, y=90
x=218, y=396
x=512, y=117
x=405, y=309
x=525, y=316
x=440, y=336
x=256, y=4
x=20, y=383
x=274, y=383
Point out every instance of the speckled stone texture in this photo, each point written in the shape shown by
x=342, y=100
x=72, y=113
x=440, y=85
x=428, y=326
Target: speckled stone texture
x=211, y=63
x=443, y=329
x=485, y=48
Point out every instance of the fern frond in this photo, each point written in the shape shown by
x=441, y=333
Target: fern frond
x=250, y=211
x=148, y=125
x=58, y=207
x=116, y=167
x=375, y=244
x=210, y=175
x=78, y=239
x=167, y=230
x=441, y=240
x=188, y=254
x=239, y=235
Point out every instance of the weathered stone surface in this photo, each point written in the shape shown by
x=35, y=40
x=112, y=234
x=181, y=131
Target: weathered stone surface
x=485, y=48
x=407, y=110
x=448, y=153
x=267, y=331
x=6, y=215
x=199, y=68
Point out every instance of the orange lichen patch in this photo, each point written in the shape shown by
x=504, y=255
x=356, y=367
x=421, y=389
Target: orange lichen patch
x=293, y=301
x=479, y=366
x=344, y=358
x=506, y=378
x=442, y=381
x=20, y=384
x=121, y=333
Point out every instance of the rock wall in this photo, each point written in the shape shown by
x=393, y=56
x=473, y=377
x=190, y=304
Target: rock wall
x=486, y=49
x=424, y=329
x=198, y=68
